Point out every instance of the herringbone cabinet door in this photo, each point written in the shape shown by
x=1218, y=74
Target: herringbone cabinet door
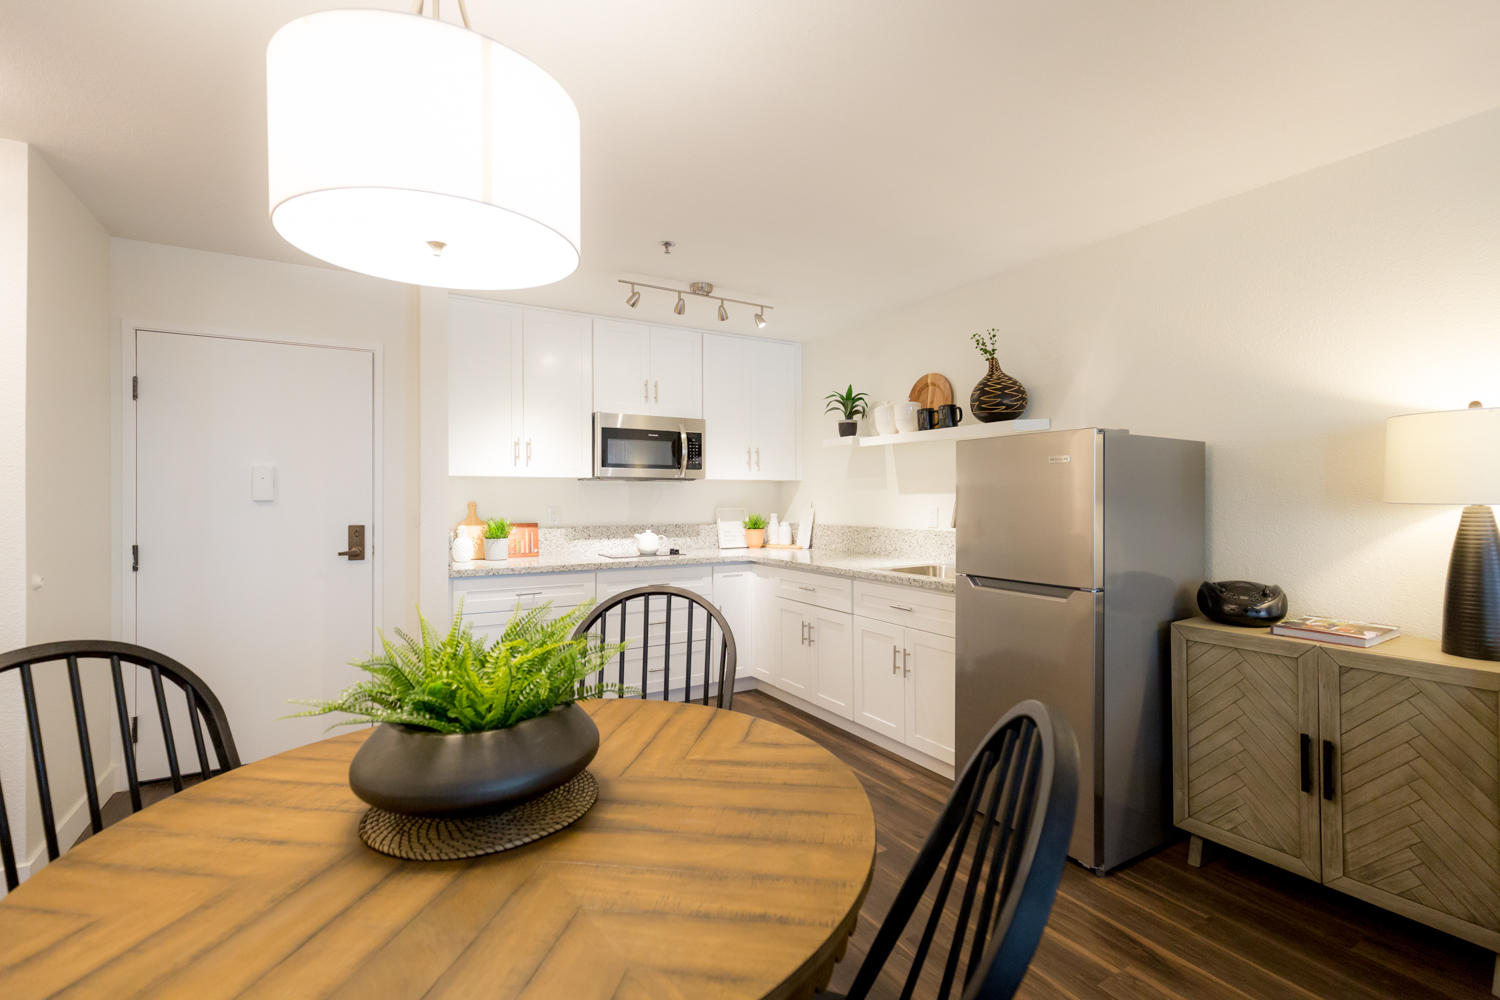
x=1414, y=824
x=1241, y=712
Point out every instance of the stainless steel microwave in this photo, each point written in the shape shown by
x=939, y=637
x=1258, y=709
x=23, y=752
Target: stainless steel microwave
x=635, y=446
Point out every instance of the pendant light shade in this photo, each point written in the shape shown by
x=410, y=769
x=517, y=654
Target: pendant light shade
x=416, y=150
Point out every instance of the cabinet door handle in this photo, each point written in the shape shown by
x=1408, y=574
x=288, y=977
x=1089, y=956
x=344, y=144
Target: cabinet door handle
x=803, y=640
x=906, y=663
x=803, y=586
x=894, y=665
x=757, y=457
x=810, y=640
x=645, y=390
x=656, y=391
x=515, y=457
x=528, y=451
x=1328, y=770
x=747, y=459
x=529, y=593
x=1307, y=777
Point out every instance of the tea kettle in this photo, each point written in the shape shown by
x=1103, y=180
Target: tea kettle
x=647, y=542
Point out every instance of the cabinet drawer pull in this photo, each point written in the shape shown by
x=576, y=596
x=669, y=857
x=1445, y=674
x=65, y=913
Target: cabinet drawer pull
x=1328, y=770
x=1306, y=762
x=530, y=593
x=803, y=586
x=901, y=607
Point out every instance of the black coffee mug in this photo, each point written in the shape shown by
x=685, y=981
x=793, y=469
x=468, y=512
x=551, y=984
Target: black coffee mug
x=949, y=415
x=926, y=418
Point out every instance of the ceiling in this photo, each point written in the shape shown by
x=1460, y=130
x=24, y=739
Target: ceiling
x=834, y=157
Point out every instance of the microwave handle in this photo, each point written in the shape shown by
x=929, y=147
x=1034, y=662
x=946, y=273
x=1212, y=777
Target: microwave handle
x=682, y=450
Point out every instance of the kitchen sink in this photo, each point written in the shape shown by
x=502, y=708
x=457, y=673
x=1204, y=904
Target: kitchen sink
x=938, y=571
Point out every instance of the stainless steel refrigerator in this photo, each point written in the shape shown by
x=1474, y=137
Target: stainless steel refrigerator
x=1076, y=550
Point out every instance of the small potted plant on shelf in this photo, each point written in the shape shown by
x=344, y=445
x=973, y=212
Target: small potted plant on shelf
x=852, y=405
x=467, y=726
x=755, y=531
x=496, y=539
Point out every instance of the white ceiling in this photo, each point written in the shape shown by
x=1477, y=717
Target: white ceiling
x=836, y=157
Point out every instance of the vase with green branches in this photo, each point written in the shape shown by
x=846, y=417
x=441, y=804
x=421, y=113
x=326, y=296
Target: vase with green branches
x=467, y=724
x=852, y=405
x=997, y=396
x=496, y=539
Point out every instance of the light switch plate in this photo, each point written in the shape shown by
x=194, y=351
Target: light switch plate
x=263, y=483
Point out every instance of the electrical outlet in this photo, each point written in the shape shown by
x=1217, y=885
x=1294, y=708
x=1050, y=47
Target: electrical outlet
x=554, y=517
x=932, y=516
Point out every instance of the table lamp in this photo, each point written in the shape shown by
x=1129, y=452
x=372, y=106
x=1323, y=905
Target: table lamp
x=1453, y=457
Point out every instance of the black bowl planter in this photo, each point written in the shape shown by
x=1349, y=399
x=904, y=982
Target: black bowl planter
x=422, y=773
x=848, y=428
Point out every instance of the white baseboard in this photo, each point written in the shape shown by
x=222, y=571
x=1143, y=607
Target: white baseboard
x=72, y=822
x=880, y=740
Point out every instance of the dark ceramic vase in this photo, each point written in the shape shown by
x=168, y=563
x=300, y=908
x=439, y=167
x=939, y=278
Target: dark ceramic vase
x=998, y=396
x=422, y=773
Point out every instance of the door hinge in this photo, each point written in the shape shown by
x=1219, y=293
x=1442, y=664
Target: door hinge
x=135, y=559
x=135, y=387
x=135, y=729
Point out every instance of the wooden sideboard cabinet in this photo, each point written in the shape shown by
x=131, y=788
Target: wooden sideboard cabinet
x=1375, y=771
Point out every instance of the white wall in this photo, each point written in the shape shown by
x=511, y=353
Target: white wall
x=13, y=184
x=67, y=481
x=1281, y=326
x=172, y=288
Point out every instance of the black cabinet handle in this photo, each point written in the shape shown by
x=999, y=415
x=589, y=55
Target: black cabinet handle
x=1306, y=762
x=1328, y=770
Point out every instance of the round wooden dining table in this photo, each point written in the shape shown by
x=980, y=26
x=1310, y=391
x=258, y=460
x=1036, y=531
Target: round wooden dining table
x=726, y=856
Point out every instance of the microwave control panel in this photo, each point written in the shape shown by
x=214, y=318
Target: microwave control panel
x=694, y=452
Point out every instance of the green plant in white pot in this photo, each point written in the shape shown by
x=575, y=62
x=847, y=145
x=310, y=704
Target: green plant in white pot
x=468, y=726
x=496, y=539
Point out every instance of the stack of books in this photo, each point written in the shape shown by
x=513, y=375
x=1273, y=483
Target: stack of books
x=1334, y=630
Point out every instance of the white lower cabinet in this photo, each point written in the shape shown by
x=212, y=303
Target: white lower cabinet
x=817, y=660
x=904, y=685
x=734, y=595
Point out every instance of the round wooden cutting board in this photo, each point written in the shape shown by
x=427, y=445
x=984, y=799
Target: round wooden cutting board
x=932, y=389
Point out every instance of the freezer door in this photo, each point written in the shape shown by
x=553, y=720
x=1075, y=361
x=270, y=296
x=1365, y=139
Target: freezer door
x=1019, y=641
x=1029, y=508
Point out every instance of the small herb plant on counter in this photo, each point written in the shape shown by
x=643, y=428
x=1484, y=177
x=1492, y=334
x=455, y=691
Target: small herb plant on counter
x=496, y=539
x=755, y=531
x=456, y=683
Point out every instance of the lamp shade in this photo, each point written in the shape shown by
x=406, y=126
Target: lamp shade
x=1447, y=457
x=412, y=149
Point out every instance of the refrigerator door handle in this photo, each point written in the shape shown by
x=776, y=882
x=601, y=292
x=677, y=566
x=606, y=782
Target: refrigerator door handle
x=1019, y=587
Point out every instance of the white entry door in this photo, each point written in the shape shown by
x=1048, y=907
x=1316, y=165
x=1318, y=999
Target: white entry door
x=251, y=461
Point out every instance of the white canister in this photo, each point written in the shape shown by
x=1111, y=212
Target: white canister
x=885, y=419
x=496, y=549
x=906, y=417
x=784, y=536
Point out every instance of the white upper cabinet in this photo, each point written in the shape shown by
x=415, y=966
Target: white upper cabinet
x=484, y=347
x=647, y=369
x=622, y=366
x=519, y=390
x=676, y=372
x=751, y=390
x=556, y=401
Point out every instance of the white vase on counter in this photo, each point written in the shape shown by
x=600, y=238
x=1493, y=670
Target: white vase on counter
x=496, y=549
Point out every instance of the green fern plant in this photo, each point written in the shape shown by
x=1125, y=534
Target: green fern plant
x=456, y=683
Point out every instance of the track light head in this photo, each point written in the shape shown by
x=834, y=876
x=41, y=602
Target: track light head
x=681, y=306
x=760, y=318
x=634, y=298
x=723, y=313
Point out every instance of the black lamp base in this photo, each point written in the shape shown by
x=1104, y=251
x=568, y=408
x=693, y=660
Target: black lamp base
x=1471, y=609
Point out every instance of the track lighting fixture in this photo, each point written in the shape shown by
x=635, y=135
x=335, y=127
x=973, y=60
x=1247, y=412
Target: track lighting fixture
x=702, y=289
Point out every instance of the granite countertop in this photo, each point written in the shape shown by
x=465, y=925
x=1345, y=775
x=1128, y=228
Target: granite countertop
x=847, y=564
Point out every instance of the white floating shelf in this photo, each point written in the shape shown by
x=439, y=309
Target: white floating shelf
x=962, y=432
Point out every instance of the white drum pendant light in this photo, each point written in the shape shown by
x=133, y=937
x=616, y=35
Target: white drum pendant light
x=420, y=151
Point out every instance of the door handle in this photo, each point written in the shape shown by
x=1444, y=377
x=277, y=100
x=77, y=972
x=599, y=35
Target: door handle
x=1307, y=772
x=803, y=586
x=645, y=390
x=747, y=459
x=894, y=666
x=356, y=543
x=810, y=640
x=757, y=458
x=1328, y=770
x=804, y=633
x=906, y=663
x=528, y=451
x=515, y=457
x=656, y=391
x=682, y=471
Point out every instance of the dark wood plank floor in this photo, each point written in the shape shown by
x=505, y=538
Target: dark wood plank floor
x=1158, y=928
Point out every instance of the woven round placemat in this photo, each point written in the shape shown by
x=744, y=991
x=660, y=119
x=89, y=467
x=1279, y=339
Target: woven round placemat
x=428, y=838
